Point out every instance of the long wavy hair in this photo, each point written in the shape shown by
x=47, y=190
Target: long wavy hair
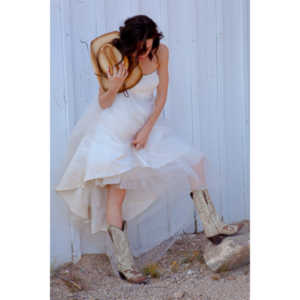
x=133, y=36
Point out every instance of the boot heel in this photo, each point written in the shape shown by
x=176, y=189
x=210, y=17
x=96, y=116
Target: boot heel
x=217, y=239
x=122, y=275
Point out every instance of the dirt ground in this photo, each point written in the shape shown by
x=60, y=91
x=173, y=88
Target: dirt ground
x=180, y=274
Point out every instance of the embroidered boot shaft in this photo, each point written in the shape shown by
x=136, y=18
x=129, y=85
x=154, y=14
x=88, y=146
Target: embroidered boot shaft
x=211, y=220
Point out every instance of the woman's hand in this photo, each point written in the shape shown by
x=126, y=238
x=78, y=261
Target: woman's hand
x=140, y=139
x=116, y=80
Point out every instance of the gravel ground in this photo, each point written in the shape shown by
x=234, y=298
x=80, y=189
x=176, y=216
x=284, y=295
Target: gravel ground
x=180, y=274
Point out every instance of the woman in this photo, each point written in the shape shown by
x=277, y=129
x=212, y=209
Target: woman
x=123, y=155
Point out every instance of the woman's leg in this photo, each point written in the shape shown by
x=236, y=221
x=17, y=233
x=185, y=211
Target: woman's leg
x=117, y=228
x=115, y=198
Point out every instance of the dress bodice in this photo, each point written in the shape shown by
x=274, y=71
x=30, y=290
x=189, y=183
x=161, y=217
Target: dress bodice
x=144, y=89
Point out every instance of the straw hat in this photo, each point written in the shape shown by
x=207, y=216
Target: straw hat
x=104, y=56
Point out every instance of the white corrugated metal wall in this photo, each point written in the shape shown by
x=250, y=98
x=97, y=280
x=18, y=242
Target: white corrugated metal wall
x=208, y=92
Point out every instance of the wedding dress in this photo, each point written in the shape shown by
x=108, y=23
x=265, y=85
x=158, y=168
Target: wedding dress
x=158, y=178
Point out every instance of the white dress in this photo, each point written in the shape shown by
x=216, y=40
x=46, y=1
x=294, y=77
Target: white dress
x=162, y=173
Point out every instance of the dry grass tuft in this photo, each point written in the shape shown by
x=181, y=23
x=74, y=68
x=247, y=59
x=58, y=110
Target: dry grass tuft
x=216, y=277
x=174, y=266
x=195, y=256
x=152, y=270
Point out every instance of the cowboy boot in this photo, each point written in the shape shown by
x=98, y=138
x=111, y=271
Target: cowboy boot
x=125, y=262
x=214, y=228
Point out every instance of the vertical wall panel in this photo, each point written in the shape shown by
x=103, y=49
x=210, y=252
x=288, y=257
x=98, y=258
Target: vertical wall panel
x=179, y=106
x=245, y=11
x=235, y=105
x=83, y=26
x=61, y=241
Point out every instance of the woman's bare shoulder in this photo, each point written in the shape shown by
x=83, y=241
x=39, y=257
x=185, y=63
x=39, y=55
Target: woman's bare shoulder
x=163, y=53
x=163, y=49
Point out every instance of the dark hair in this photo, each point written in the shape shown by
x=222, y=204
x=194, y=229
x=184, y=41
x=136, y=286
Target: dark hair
x=133, y=36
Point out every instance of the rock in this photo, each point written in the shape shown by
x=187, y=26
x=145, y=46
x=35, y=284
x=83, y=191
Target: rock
x=178, y=295
x=234, y=251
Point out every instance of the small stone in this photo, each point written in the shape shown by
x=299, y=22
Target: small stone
x=178, y=294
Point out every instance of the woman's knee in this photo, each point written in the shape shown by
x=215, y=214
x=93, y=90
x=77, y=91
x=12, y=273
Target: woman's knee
x=115, y=188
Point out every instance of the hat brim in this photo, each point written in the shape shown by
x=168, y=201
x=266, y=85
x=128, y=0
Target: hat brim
x=102, y=61
x=109, y=56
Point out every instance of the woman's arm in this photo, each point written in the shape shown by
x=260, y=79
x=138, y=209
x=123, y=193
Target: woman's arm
x=107, y=98
x=162, y=88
